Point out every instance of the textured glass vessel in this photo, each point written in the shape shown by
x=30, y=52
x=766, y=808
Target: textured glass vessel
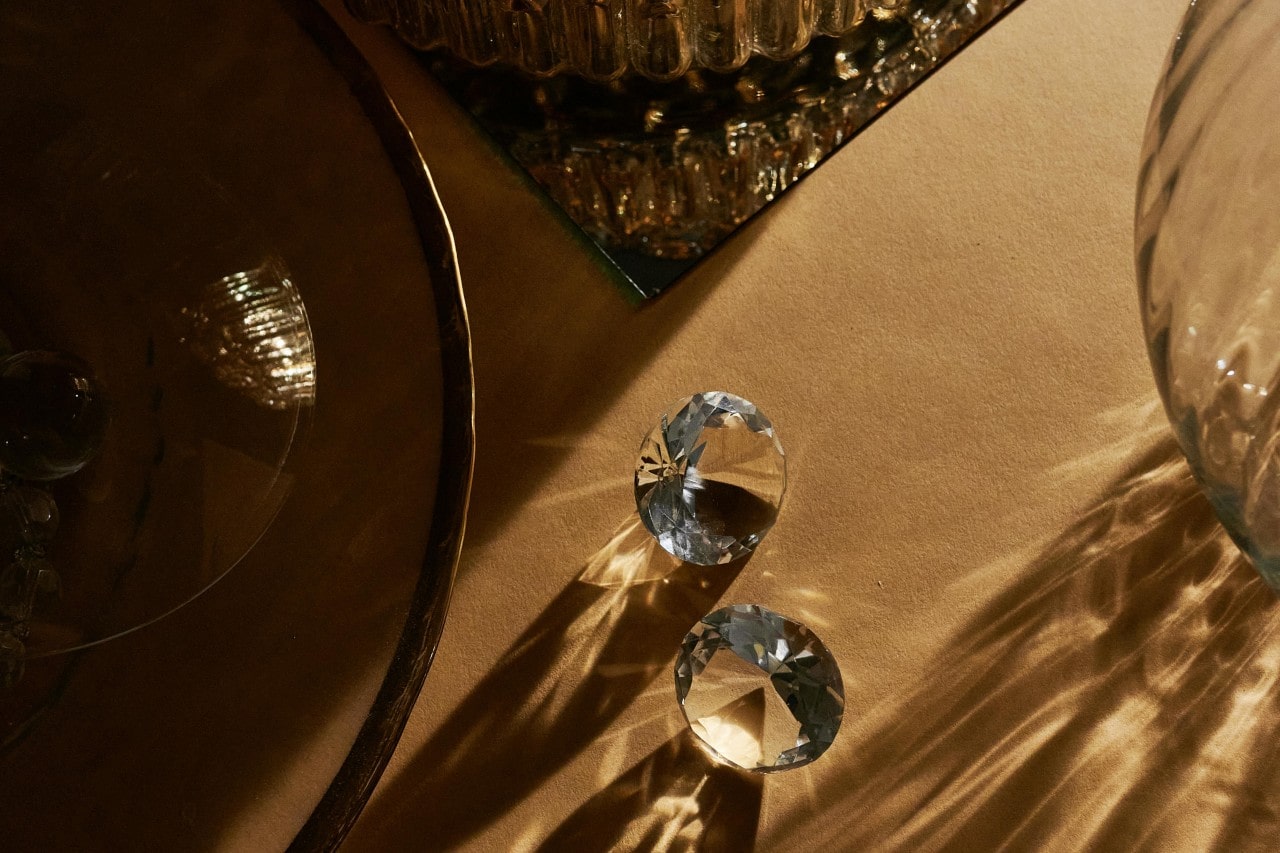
x=659, y=140
x=670, y=170
x=1208, y=260
x=604, y=39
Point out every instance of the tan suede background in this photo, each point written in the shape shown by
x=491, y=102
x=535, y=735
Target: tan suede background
x=1045, y=642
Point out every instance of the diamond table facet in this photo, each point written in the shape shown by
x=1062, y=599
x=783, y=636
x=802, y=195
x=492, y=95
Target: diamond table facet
x=710, y=478
x=760, y=691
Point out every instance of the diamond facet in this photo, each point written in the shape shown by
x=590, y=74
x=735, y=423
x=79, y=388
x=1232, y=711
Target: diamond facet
x=710, y=478
x=759, y=690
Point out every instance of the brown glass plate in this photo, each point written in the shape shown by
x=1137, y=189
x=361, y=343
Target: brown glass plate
x=152, y=152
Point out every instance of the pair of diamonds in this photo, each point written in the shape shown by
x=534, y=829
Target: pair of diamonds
x=760, y=691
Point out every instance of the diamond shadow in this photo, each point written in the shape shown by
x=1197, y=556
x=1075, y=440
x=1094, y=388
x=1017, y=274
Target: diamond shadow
x=592, y=651
x=673, y=799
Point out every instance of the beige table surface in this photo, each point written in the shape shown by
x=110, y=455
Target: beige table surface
x=1046, y=643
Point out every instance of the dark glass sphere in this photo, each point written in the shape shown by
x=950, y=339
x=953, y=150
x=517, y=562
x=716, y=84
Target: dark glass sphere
x=53, y=415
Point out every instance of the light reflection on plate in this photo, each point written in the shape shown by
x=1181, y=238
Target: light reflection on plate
x=199, y=337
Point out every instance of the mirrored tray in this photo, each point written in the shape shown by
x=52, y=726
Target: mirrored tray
x=216, y=208
x=658, y=171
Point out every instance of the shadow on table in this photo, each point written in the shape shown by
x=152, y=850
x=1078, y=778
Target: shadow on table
x=594, y=649
x=550, y=357
x=130, y=745
x=556, y=337
x=1122, y=696
x=674, y=799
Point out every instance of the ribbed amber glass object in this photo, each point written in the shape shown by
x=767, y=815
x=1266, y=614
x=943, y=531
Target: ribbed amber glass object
x=604, y=39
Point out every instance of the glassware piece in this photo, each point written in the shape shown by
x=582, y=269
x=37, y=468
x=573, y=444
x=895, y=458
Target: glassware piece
x=886, y=8
x=534, y=34
x=251, y=329
x=596, y=48
x=419, y=24
x=22, y=581
x=28, y=516
x=28, y=522
x=53, y=415
x=659, y=39
x=1207, y=237
x=605, y=39
x=760, y=691
x=782, y=28
x=710, y=478
x=722, y=33
x=297, y=156
x=660, y=126
x=837, y=17
x=12, y=660
x=942, y=26
x=669, y=170
x=472, y=30
x=101, y=257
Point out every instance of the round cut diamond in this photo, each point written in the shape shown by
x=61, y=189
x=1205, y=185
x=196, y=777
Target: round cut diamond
x=710, y=478
x=759, y=690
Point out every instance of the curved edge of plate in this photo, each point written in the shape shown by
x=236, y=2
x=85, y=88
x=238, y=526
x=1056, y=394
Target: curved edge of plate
x=352, y=787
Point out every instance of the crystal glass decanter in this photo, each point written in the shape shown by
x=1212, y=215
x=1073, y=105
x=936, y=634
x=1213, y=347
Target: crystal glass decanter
x=1208, y=260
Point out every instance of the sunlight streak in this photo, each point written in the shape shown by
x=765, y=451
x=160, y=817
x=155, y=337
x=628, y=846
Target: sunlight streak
x=631, y=556
x=1126, y=687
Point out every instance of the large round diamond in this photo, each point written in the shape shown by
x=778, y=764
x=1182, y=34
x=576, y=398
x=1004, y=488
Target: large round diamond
x=710, y=478
x=759, y=690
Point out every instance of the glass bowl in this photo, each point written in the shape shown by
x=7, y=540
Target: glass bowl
x=1207, y=238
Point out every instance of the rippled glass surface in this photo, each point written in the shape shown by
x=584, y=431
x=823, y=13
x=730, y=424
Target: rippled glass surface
x=659, y=156
x=604, y=39
x=1208, y=258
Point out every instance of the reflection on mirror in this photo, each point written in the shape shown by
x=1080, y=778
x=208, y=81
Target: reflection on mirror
x=659, y=128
